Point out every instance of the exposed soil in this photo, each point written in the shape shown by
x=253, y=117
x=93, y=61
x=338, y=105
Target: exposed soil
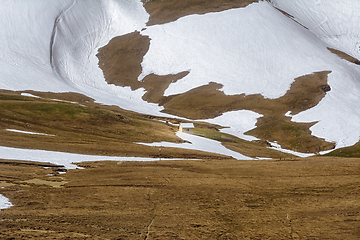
x=91, y=128
x=170, y=10
x=314, y=198
x=86, y=129
x=345, y=56
x=120, y=61
x=306, y=92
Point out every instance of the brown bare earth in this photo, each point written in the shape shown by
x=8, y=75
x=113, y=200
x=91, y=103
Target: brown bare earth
x=85, y=128
x=345, y=56
x=90, y=128
x=306, y=92
x=120, y=61
x=170, y=10
x=313, y=198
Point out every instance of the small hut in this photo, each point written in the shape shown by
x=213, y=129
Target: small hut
x=186, y=127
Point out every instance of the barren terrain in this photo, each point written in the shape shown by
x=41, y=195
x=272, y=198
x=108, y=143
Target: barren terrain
x=313, y=198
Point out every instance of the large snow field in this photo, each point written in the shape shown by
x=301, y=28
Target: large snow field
x=336, y=24
x=252, y=50
x=52, y=46
x=258, y=50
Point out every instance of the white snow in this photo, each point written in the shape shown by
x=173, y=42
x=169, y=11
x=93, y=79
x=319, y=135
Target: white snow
x=62, y=158
x=4, y=202
x=52, y=46
x=257, y=49
x=237, y=123
x=276, y=146
x=199, y=143
x=248, y=50
x=333, y=21
x=29, y=95
x=288, y=114
x=26, y=132
x=336, y=24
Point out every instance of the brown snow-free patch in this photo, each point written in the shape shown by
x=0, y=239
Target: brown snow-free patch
x=170, y=10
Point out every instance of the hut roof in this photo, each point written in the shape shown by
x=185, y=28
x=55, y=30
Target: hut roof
x=187, y=125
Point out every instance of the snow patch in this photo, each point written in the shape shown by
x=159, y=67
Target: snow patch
x=278, y=147
x=26, y=132
x=237, y=123
x=200, y=144
x=62, y=158
x=4, y=202
x=29, y=95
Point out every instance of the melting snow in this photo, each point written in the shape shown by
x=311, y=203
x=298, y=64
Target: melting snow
x=277, y=146
x=200, y=143
x=237, y=123
x=61, y=158
x=249, y=50
x=26, y=132
x=29, y=95
x=4, y=202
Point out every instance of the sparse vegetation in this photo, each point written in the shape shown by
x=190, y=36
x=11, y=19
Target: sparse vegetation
x=313, y=198
x=98, y=129
x=353, y=151
x=90, y=129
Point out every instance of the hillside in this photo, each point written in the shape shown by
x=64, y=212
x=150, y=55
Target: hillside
x=92, y=93
x=227, y=59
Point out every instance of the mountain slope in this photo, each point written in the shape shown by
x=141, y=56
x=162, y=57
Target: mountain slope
x=240, y=58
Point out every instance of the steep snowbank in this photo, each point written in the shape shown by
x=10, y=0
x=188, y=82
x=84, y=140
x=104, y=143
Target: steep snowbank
x=336, y=24
x=52, y=46
x=258, y=49
x=249, y=50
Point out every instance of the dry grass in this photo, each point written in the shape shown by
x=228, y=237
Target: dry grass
x=352, y=151
x=314, y=198
x=92, y=128
x=86, y=129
